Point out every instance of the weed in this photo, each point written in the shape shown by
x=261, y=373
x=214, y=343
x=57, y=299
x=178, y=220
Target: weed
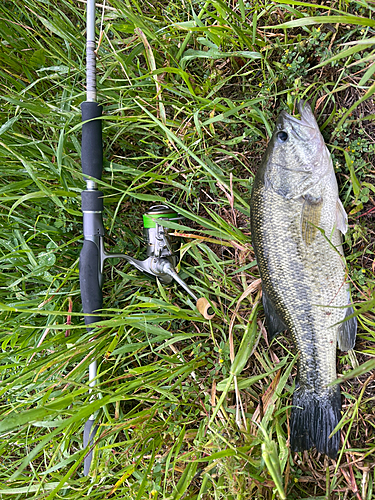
x=186, y=408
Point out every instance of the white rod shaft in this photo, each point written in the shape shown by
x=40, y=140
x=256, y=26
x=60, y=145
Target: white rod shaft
x=93, y=371
x=90, y=53
x=91, y=20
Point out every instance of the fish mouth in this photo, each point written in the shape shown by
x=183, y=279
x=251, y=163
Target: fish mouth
x=307, y=117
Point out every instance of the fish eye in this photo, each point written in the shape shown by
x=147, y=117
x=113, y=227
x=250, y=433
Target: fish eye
x=282, y=136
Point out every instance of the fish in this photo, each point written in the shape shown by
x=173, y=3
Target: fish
x=297, y=223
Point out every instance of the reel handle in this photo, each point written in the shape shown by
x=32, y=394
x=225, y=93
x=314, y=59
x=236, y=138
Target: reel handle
x=205, y=308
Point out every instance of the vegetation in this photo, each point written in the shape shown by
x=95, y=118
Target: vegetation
x=187, y=408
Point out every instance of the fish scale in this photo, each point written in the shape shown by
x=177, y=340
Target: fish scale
x=285, y=266
x=295, y=220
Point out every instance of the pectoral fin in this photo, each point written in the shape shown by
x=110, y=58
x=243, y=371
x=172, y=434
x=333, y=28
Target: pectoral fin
x=341, y=217
x=274, y=323
x=347, y=331
x=310, y=218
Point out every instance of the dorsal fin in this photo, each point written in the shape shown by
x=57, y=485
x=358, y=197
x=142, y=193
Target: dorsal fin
x=274, y=323
x=347, y=331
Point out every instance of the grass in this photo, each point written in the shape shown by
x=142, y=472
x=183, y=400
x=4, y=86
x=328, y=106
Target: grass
x=187, y=408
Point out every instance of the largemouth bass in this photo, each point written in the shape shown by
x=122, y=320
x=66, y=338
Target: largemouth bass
x=297, y=222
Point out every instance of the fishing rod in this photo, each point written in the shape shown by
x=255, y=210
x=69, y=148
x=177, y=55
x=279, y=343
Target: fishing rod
x=90, y=261
x=161, y=260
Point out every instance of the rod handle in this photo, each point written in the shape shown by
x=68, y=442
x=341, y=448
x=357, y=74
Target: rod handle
x=91, y=292
x=92, y=144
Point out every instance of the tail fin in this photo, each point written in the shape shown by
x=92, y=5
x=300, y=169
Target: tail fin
x=313, y=418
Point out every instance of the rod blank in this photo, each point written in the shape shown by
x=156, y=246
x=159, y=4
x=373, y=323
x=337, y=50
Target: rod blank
x=90, y=20
x=90, y=53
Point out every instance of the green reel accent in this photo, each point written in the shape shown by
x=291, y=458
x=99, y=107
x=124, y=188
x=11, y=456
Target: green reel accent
x=148, y=221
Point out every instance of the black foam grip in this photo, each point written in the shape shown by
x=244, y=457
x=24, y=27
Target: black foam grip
x=92, y=146
x=91, y=293
x=92, y=201
x=89, y=432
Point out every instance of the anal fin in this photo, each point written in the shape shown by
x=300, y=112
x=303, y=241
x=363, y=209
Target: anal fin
x=274, y=323
x=347, y=331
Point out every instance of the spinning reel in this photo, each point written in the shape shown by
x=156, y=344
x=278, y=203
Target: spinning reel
x=161, y=258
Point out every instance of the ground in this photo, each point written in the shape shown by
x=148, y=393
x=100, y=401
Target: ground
x=190, y=94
